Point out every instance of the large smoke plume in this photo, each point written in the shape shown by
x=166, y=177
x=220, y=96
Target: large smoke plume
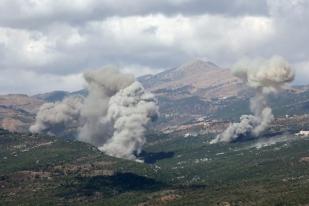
x=112, y=116
x=265, y=77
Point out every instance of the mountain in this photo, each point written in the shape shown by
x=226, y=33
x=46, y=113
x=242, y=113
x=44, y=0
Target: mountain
x=52, y=96
x=197, y=101
x=196, y=78
x=55, y=96
x=194, y=90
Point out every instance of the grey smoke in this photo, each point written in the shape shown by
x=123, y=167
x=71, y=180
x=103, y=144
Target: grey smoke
x=101, y=86
x=54, y=118
x=113, y=116
x=129, y=111
x=266, y=77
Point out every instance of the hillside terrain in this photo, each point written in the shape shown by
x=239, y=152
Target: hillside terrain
x=18, y=111
x=193, y=91
x=195, y=78
x=177, y=166
x=42, y=170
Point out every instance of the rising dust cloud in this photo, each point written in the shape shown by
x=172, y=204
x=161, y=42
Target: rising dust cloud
x=266, y=77
x=112, y=116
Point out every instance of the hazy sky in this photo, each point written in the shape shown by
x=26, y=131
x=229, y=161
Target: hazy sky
x=46, y=44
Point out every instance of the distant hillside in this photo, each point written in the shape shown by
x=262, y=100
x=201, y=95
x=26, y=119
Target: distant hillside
x=17, y=111
x=52, y=96
x=190, y=91
x=58, y=95
x=196, y=78
x=203, y=89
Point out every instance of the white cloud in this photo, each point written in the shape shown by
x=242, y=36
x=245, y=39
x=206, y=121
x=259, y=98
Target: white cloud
x=51, y=39
x=24, y=49
x=148, y=41
x=12, y=81
x=39, y=13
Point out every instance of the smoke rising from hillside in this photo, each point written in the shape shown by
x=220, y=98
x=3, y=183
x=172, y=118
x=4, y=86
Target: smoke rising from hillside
x=54, y=118
x=112, y=116
x=129, y=111
x=266, y=77
x=101, y=86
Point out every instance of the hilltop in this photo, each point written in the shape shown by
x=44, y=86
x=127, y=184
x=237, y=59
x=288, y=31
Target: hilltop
x=196, y=78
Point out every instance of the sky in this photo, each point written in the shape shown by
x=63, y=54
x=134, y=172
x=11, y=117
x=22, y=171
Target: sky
x=46, y=45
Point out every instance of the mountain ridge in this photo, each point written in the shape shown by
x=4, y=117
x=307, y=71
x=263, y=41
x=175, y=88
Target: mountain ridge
x=195, y=89
x=197, y=78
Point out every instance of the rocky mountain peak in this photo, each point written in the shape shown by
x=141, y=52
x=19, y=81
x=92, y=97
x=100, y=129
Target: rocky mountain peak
x=198, y=65
x=197, y=78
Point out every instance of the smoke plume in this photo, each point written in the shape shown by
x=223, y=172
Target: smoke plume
x=54, y=118
x=129, y=111
x=266, y=77
x=112, y=116
x=101, y=86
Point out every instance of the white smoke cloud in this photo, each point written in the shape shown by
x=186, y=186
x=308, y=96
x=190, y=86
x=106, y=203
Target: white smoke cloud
x=269, y=75
x=101, y=86
x=129, y=110
x=113, y=115
x=54, y=118
x=266, y=77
